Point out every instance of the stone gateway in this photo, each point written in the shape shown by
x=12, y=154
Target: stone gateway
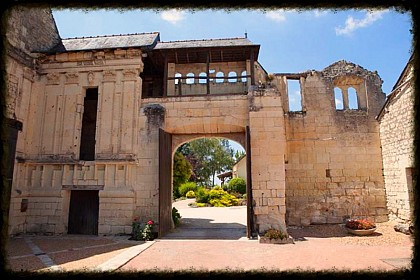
x=97, y=120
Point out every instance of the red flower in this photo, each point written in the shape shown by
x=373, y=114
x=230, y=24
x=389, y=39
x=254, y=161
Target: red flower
x=150, y=222
x=136, y=218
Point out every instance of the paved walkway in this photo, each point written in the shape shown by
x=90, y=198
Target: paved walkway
x=215, y=239
x=212, y=239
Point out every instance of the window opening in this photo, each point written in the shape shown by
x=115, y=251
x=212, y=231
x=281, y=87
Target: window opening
x=295, y=96
x=243, y=74
x=233, y=77
x=203, y=78
x=338, y=97
x=87, y=139
x=178, y=78
x=190, y=78
x=353, y=102
x=220, y=77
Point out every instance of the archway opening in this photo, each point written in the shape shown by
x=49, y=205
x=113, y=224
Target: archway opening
x=209, y=189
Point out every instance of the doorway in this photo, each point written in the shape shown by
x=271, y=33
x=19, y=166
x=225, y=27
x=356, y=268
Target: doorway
x=84, y=212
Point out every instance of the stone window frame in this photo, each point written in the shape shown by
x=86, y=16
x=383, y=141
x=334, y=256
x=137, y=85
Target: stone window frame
x=344, y=83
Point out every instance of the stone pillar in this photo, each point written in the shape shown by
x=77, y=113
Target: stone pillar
x=268, y=142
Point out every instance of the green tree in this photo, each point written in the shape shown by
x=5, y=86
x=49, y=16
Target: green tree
x=214, y=155
x=182, y=172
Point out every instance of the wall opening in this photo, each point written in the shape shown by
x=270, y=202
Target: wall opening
x=220, y=77
x=338, y=98
x=203, y=78
x=353, y=100
x=178, y=78
x=410, y=181
x=233, y=77
x=190, y=79
x=295, y=95
x=204, y=185
x=87, y=139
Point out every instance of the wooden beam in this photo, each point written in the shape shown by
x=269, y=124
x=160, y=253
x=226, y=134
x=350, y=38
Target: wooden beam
x=165, y=76
x=251, y=64
x=208, y=72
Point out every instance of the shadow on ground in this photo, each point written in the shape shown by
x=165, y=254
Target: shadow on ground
x=321, y=231
x=62, y=251
x=195, y=228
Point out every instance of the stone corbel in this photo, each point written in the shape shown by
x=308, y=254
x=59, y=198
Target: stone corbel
x=109, y=76
x=53, y=79
x=130, y=74
x=72, y=78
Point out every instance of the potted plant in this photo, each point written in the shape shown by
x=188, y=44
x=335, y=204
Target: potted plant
x=275, y=236
x=360, y=226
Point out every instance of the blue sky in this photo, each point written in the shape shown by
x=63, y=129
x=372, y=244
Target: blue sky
x=291, y=41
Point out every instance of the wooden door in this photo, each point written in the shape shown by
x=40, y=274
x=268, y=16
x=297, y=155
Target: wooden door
x=84, y=212
x=251, y=233
x=165, y=182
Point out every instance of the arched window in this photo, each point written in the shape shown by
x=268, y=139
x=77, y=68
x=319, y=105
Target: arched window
x=233, y=77
x=220, y=77
x=243, y=79
x=203, y=78
x=338, y=97
x=178, y=78
x=190, y=79
x=352, y=94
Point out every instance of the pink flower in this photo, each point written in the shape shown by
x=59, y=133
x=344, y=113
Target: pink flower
x=150, y=222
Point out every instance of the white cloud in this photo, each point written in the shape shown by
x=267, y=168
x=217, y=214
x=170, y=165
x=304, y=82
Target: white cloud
x=276, y=15
x=320, y=13
x=354, y=24
x=338, y=102
x=173, y=15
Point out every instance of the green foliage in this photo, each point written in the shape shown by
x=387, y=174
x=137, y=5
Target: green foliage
x=190, y=194
x=275, y=234
x=220, y=198
x=237, y=185
x=211, y=156
x=176, y=217
x=142, y=231
x=199, y=204
x=186, y=187
x=202, y=195
x=244, y=196
x=182, y=172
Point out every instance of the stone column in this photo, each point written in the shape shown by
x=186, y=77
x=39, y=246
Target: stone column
x=266, y=120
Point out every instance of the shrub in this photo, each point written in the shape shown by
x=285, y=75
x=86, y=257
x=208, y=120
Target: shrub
x=202, y=195
x=176, y=217
x=244, y=196
x=237, y=185
x=220, y=198
x=190, y=194
x=198, y=204
x=275, y=234
x=186, y=187
x=142, y=231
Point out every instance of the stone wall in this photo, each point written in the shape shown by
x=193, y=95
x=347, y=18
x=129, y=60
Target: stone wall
x=396, y=126
x=49, y=168
x=333, y=157
x=32, y=29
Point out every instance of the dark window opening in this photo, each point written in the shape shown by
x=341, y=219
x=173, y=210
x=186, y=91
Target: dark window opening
x=87, y=139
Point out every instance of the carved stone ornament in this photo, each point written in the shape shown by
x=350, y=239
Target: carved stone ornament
x=53, y=79
x=91, y=78
x=72, y=78
x=109, y=76
x=130, y=74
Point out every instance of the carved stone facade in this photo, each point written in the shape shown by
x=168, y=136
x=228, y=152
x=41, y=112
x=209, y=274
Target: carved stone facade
x=317, y=165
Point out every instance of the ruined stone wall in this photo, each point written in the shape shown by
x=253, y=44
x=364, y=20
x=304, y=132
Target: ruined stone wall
x=48, y=159
x=32, y=29
x=333, y=158
x=396, y=127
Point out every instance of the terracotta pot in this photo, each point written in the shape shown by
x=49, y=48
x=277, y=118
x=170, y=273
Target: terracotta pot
x=361, y=232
